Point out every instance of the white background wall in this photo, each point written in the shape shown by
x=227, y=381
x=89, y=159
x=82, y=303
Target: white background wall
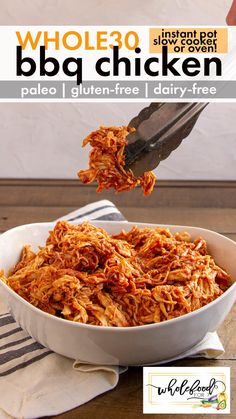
x=44, y=140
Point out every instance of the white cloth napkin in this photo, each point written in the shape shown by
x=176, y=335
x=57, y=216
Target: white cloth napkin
x=36, y=382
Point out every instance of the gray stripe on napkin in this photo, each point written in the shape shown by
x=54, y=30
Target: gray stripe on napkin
x=15, y=342
x=11, y=332
x=25, y=364
x=9, y=356
x=91, y=212
x=6, y=320
x=111, y=217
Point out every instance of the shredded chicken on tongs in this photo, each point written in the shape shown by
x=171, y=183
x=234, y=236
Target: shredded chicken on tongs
x=107, y=162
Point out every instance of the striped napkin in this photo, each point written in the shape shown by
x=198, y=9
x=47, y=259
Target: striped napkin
x=36, y=382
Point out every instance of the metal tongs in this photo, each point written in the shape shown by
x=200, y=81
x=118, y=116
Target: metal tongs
x=160, y=129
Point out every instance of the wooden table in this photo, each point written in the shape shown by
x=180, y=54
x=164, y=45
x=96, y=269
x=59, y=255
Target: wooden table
x=206, y=204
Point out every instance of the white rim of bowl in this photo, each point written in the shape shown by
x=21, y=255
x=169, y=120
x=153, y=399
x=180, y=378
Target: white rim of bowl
x=123, y=329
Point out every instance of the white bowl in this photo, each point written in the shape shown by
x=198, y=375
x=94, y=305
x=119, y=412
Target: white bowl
x=117, y=345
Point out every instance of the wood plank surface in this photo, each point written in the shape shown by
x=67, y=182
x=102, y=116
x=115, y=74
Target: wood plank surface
x=222, y=220
x=205, y=204
x=73, y=193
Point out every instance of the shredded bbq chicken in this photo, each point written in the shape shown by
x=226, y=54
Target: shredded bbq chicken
x=130, y=279
x=107, y=162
